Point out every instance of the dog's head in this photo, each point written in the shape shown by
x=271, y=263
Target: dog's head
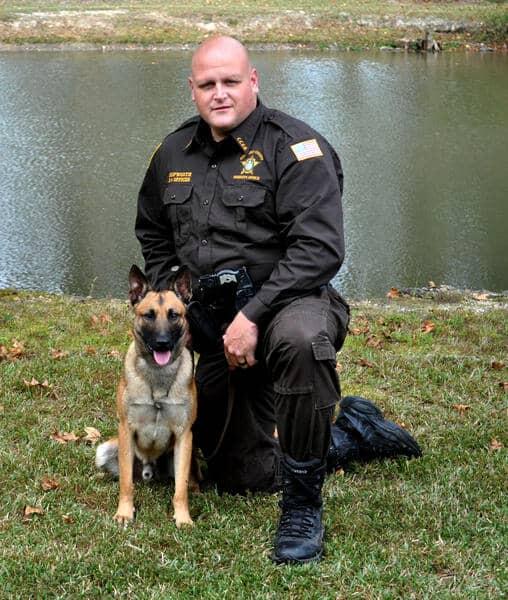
x=160, y=326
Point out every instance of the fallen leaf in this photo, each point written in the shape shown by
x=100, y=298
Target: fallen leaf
x=94, y=319
x=373, y=342
x=58, y=354
x=104, y=318
x=29, y=511
x=49, y=483
x=364, y=363
x=428, y=327
x=461, y=408
x=495, y=444
x=115, y=354
x=339, y=368
x=17, y=350
x=92, y=435
x=503, y=385
x=67, y=519
x=64, y=437
x=393, y=293
x=90, y=350
x=497, y=365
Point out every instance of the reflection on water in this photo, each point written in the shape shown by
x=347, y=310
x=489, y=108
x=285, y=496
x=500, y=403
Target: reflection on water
x=422, y=140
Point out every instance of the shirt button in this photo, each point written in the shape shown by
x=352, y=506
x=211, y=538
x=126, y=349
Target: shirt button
x=205, y=202
x=204, y=242
x=213, y=166
x=240, y=197
x=173, y=196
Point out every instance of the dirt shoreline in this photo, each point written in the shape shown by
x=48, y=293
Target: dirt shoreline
x=124, y=29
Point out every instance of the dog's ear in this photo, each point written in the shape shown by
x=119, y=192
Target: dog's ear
x=138, y=285
x=181, y=283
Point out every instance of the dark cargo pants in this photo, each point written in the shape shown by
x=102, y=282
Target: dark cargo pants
x=294, y=387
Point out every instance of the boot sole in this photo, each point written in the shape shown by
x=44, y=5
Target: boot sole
x=296, y=561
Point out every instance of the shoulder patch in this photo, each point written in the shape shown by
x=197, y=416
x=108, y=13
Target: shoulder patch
x=306, y=149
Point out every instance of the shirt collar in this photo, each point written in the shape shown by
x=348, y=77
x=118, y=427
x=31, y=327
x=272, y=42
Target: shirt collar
x=242, y=135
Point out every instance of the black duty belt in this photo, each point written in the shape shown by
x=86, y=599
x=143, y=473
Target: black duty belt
x=224, y=289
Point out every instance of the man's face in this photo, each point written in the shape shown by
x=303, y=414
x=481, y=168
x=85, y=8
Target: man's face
x=224, y=87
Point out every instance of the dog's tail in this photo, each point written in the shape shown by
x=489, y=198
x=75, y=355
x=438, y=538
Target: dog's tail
x=106, y=457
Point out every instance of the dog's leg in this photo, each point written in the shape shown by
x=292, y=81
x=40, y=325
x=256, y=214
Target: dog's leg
x=182, y=462
x=125, y=511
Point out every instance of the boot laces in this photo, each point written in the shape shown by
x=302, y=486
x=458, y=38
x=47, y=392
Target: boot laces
x=297, y=519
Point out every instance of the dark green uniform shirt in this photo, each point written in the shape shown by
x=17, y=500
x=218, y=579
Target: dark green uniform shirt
x=267, y=197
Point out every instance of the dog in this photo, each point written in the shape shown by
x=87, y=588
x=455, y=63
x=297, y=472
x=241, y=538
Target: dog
x=156, y=396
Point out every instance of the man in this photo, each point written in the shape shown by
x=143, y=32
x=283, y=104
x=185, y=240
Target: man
x=250, y=200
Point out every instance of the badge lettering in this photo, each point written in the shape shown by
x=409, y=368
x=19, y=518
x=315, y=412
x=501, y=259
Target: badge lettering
x=249, y=162
x=179, y=176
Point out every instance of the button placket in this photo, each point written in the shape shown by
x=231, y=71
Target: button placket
x=207, y=195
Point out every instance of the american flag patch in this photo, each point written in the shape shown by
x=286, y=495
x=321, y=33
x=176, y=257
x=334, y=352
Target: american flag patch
x=306, y=149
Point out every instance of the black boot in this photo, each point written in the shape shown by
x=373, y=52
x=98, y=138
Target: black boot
x=300, y=532
x=362, y=433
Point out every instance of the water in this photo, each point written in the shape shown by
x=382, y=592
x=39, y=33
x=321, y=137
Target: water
x=422, y=140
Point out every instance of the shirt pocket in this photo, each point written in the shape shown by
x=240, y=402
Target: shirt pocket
x=177, y=199
x=244, y=202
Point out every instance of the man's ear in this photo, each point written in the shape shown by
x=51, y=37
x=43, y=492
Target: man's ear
x=181, y=284
x=191, y=85
x=138, y=285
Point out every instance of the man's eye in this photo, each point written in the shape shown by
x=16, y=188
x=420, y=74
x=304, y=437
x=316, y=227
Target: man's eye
x=149, y=316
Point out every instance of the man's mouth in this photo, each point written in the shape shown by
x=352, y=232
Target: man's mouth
x=221, y=108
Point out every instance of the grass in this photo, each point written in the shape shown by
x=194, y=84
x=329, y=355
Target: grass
x=427, y=528
x=345, y=24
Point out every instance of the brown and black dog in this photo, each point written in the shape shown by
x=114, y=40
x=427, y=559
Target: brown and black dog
x=156, y=397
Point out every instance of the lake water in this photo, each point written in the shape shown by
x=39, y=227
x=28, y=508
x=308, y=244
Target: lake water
x=422, y=139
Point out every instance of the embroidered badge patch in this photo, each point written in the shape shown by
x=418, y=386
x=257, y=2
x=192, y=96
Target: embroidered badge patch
x=249, y=162
x=179, y=176
x=306, y=149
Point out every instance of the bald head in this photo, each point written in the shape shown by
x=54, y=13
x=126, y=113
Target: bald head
x=223, y=83
x=216, y=48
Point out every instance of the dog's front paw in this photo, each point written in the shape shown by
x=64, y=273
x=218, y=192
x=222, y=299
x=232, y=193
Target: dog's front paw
x=124, y=515
x=183, y=520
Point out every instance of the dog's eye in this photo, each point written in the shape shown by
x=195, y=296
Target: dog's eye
x=149, y=316
x=172, y=315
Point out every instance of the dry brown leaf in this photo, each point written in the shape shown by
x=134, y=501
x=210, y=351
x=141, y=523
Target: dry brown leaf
x=92, y=435
x=428, y=327
x=374, y=342
x=393, y=293
x=495, y=444
x=461, y=408
x=115, y=354
x=94, y=319
x=64, y=437
x=67, y=519
x=497, y=365
x=17, y=350
x=49, y=483
x=364, y=363
x=90, y=350
x=503, y=385
x=105, y=318
x=29, y=511
x=58, y=354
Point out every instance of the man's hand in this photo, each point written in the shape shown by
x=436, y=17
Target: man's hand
x=240, y=341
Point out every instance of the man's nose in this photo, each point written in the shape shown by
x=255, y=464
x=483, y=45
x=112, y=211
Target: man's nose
x=220, y=92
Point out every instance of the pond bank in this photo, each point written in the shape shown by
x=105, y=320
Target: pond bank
x=480, y=26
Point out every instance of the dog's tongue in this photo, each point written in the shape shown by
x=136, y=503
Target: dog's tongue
x=161, y=358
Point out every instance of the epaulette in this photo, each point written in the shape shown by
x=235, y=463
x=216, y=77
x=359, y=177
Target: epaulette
x=291, y=126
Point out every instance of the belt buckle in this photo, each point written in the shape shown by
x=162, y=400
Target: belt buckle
x=227, y=276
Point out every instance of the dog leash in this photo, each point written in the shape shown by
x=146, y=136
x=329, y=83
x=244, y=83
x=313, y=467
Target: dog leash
x=229, y=410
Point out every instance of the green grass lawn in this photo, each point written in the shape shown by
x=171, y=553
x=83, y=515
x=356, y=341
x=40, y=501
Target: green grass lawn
x=345, y=24
x=428, y=528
